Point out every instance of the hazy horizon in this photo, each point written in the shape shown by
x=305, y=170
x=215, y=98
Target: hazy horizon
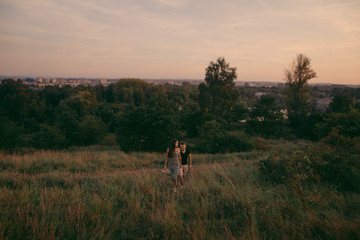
x=176, y=39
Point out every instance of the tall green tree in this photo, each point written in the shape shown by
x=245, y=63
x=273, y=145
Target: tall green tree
x=92, y=129
x=342, y=117
x=13, y=99
x=266, y=118
x=297, y=97
x=149, y=127
x=218, y=94
x=340, y=103
x=128, y=91
x=11, y=135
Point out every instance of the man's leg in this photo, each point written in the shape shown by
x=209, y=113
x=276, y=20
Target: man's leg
x=185, y=170
x=174, y=184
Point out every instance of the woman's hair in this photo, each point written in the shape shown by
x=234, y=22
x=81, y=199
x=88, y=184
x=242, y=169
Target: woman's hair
x=172, y=147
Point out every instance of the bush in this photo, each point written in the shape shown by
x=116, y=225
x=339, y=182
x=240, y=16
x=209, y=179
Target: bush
x=212, y=130
x=293, y=168
x=348, y=124
x=11, y=135
x=342, y=170
x=341, y=142
x=49, y=137
x=93, y=130
x=261, y=145
x=229, y=142
x=311, y=166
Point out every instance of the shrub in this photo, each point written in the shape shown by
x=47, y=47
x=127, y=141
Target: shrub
x=342, y=170
x=293, y=168
x=212, y=130
x=312, y=166
x=229, y=142
x=342, y=142
x=347, y=124
x=49, y=137
x=93, y=130
x=261, y=145
x=11, y=135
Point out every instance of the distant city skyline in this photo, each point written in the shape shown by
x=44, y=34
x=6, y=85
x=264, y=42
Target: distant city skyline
x=176, y=39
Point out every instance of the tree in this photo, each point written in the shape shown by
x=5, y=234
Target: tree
x=216, y=140
x=11, y=135
x=218, y=95
x=266, y=118
x=49, y=137
x=129, y=91
x=92, y=129
x=107, y=114
x=297, y=90
x=212, y=130
x=13, y=99
x=149, y=127
x=53, y=95
x=69, y=124
x=191, y=119
x=340, y=103
x=348, y=123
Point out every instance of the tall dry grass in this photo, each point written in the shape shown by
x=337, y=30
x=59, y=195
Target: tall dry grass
x=87, y=193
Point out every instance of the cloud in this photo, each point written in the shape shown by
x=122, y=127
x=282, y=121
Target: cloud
x=171, y=3
x=136, y=37
x=338, y=5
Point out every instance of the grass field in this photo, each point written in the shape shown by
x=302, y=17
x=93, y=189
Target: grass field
x=97, y=193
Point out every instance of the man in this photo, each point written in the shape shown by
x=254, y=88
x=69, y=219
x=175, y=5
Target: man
x=185, y=156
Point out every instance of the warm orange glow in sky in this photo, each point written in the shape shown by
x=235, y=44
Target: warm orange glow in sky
x=178, y=38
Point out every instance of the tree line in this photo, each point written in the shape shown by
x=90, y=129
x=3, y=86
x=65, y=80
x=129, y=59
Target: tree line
x=215, y=116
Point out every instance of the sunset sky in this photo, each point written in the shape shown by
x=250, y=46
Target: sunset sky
x=178, y=38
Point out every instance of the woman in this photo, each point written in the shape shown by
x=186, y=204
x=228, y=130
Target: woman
x=174, y=158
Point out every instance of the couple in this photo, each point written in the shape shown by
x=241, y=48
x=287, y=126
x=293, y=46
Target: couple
x=178, y=161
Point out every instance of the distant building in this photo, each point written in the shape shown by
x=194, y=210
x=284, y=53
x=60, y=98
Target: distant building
x=239, y=83
x=259, y=94
x=103, y=81
x=83, y=81
x=281, y=85
x=60, y=81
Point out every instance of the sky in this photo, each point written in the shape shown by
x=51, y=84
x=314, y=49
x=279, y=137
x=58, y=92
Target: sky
x=178, y=39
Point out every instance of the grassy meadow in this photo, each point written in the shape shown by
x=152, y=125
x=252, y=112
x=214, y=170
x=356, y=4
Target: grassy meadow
x=103, y=193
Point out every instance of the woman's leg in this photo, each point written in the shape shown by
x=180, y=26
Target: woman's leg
x=174, y=174
x=174, y=183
